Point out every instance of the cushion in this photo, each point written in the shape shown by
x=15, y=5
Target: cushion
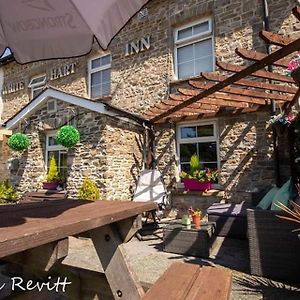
x=282, y=196
x=266, y=201
x=227, y=209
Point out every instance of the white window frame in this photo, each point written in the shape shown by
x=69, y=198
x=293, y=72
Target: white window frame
x=194, y=39
x=214, y=138
x=94, y=70
x=52, y=148
x=37, y=86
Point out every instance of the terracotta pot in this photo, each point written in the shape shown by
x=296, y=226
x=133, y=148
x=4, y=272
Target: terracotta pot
x=296, y=75
x=196, y=221
x=50, y=185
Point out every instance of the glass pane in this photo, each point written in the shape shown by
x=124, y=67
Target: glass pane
x=200, y=28
x=204, y=65
x=185, y=167
x=105, y=90
x=63, y=158
x=96, y=91
x=105, y=76
x=186, y=151
x=205, y=130
x=188, y=132
x=36, y=91
x=208, y=152
x=186, y=70
x=54, y=154
x=96, y=78
x=105, y=60
x=213, y=166
x=95, y=63
x=203, y=48
x=52, y=141
x=184, y=33
x=185, y=54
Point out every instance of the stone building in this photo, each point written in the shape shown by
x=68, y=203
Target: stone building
x=160, y=48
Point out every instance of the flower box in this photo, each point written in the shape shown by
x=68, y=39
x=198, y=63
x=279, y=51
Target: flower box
x=50, y=185
x=195, y=185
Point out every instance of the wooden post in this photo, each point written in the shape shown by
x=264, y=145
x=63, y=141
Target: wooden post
x=120, y=277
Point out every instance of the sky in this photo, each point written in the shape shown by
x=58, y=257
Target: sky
x=6, y=52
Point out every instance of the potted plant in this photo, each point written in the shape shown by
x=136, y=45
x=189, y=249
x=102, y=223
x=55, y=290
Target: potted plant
x=53, y=179
x=196, y=216
x=19, y=142
x=198, y=179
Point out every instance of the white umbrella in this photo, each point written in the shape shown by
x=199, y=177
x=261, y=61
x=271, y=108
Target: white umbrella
x=44, y=29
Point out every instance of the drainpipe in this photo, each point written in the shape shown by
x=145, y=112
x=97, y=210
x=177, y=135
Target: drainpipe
x=273, y=103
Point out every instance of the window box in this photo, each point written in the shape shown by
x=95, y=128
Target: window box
x=195, y=185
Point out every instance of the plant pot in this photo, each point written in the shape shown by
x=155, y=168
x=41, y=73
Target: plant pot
x=296, y=75
x=196, y=185
x=196, y=221
x=50, y=185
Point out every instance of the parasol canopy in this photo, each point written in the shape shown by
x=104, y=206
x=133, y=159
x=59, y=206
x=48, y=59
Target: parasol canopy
x=44, y=29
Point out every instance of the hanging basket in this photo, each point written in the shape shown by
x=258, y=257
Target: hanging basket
x=296, y=75
x=19, y=142
x=68, y=136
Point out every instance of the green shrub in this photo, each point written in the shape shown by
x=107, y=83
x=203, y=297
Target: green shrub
x=89, y=190
x=19, y=142
x=68, y=136
x=52, y=175
x=195, y=163
x=7, y=192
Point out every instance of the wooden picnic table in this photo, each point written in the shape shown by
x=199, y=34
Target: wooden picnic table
x=109, y=224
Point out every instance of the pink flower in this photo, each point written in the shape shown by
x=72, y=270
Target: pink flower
x=293, y=64
x=291, y=118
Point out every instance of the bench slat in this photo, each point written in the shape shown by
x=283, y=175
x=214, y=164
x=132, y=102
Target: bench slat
x=174, y=283
x=211, y=283
x=183, y=281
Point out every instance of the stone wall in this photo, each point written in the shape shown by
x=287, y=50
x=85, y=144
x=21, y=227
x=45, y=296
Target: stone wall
x=95, y=156
x=110, y=151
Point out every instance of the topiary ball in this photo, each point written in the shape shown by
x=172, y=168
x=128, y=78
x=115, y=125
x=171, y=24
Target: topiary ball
x=19, y=142
x=68, y=136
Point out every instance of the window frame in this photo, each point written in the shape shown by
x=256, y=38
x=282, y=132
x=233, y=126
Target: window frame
x=191, y=40
x=214, y=138
x=52, y=148
x=94, y=70
x=55, y=106
x=37, y=86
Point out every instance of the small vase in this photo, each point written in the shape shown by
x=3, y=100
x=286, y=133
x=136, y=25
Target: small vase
x=196, y=221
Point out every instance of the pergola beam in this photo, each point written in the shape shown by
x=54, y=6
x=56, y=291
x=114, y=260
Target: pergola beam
x=261, y=74
x=239, y=91
x=275, y=39
x=251, y=83
x=256, y=56
x=224, y=96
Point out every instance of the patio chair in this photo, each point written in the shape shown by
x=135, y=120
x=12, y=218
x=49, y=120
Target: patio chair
x=150, y=187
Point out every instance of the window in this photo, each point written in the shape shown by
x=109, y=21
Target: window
x=99, y=76
x=194, y=49
x=58, y=152
x=200, y=139
x=51, y=106
x=36, y=85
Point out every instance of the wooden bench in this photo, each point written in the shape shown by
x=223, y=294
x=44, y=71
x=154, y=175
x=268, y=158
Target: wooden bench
x=43, y=196
x=184, y=281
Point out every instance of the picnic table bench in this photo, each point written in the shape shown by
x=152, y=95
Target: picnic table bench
x=39, y=196
x=184, y=281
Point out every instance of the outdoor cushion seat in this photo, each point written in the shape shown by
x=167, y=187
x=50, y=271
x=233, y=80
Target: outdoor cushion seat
x=230, y=219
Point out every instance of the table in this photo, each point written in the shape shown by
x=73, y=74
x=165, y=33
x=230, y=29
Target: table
x=180, y=239
x=27, y=227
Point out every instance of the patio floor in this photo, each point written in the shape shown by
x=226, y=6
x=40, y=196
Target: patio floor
x=149, y=262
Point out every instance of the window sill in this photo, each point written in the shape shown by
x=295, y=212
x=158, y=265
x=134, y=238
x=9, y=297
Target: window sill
x=102, y=99
x=176, y=81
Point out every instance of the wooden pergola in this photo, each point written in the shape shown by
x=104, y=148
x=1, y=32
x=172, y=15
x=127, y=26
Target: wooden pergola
x=214, y=94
